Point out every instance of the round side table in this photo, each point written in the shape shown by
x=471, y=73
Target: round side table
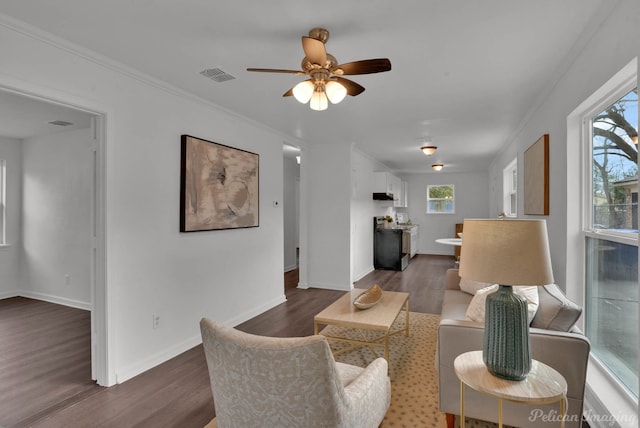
x=543, y=384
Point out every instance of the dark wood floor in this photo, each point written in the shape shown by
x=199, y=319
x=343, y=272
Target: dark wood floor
x=177, y=392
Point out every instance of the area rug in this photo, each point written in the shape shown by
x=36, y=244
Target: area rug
x=414, y=379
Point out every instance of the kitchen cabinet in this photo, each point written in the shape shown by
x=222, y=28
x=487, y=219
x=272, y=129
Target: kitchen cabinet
x=385, y=183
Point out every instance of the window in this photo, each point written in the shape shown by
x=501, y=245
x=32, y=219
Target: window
x=441, y=199
x=611, y=234
x=3, y=209
x=510, y=189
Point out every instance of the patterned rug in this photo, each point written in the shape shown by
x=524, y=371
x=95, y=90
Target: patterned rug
x=414, y=379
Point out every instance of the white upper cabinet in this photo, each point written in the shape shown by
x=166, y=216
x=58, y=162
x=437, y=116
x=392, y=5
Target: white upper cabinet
x=386, y=183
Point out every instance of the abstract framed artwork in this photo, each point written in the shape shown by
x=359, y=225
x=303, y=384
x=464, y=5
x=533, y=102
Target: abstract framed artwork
x=536, y=177
x=219, y=186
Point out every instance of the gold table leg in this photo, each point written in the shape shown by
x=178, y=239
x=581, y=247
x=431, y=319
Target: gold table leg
x=499, y=412
x=461, y=404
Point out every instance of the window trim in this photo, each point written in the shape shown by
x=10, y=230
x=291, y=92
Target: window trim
x=453, y=186
x=603, y=392
x=3, y=202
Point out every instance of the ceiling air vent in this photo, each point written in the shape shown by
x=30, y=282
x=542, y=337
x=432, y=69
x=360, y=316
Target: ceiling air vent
x=217, y=75
x=60, y=123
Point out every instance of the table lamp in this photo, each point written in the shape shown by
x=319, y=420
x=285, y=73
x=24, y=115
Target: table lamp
x=507, y=253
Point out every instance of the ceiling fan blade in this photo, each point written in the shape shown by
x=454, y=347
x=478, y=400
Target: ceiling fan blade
x=314, y=50
x=274, y=70
x=366, y=66
x=352, y=87
x=288, y=93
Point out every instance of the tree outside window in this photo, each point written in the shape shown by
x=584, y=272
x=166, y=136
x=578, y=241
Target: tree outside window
x=441, y=199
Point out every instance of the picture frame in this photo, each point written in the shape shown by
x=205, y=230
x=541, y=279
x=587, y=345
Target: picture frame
x=536, y=177
x=219, y=186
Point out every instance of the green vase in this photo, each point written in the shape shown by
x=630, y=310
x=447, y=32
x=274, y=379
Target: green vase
x=506, y=351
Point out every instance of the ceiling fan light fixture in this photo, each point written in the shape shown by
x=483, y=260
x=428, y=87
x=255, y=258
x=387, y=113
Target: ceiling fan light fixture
x=335, y=91
x=437, y=166
x=303, y=91
x=319, y=101
x=428, y=150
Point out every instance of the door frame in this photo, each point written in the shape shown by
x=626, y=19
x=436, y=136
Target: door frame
x=101, y=350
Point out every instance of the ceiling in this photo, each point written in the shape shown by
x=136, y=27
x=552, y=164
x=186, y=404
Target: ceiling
x=465, y=74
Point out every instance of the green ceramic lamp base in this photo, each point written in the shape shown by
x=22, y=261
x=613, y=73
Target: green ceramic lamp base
x=506, y=351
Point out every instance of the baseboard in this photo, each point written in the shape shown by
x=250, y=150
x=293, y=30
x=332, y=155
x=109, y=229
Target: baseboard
x=142, y=366
x=9, y=294
x=50, y=298
x=364, y=273
x=290, y=268
x=239, y=319
x=326, y=286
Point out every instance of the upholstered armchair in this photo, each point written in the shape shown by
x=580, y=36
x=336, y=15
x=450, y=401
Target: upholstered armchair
x=289, y=382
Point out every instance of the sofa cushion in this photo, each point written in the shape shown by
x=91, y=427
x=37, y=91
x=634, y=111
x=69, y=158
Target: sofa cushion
x=475, y=311
x=471, y=286
x=556, y=311
x=454, y=305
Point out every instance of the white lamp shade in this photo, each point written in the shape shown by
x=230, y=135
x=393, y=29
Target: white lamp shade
x=303, y=91
x=507, y=252
x=437, y=166
x=319, y=101
x=335, y=91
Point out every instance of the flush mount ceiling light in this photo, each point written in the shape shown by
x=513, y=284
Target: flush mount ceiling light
x=325, y=83
x=437, y=166
x=428, y=150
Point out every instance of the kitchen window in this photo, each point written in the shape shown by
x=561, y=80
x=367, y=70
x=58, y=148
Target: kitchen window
x=441, y=199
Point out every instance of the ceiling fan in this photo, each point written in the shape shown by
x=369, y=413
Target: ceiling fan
x=325, y=74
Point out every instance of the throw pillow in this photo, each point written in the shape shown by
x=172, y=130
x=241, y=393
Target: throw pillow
x=475, y=310
x=556, y=312
x=530, y=294
x=471, y=286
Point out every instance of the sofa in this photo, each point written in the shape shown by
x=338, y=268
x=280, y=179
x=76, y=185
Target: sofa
x=555, y=341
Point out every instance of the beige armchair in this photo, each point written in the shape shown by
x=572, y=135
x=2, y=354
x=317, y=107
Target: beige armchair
x=289, y=382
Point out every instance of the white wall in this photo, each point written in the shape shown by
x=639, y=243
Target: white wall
x=325, y=259
x=363, y=209
x=11, y=152
x=471, y=199
x=291, y=180
x=151, y=268
x=56, y=212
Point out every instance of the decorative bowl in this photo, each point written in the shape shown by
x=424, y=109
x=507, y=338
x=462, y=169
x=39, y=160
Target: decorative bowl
x=368, y=298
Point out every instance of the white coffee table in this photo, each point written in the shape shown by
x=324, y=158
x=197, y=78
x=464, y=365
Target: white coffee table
x=379, y=318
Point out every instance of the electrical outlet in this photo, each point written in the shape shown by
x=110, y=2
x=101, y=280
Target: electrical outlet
x=156, y=321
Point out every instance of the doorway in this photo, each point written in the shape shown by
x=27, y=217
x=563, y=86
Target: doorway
x=291, y=215
x=55, y=208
